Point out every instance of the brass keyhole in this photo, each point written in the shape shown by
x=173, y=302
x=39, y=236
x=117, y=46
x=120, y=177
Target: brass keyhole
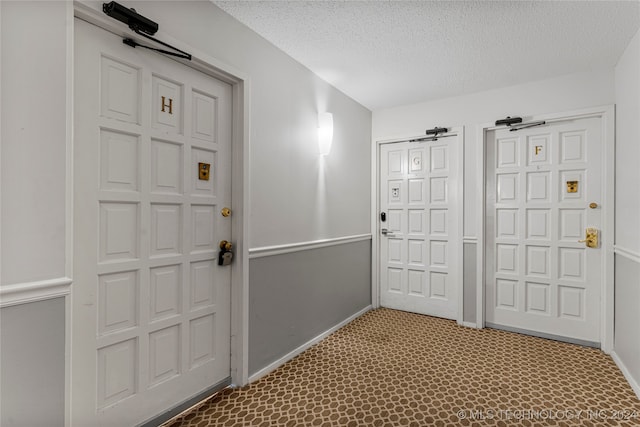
x=572, y=186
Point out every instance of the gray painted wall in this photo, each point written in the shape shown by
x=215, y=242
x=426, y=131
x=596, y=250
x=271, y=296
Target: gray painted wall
x=32, y=379
x=627, y=317
x=469, y=282
x=297, y=296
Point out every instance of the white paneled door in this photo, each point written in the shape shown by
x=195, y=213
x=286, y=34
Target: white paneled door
x=150, y=305
x=420, y=208
x=544, y=188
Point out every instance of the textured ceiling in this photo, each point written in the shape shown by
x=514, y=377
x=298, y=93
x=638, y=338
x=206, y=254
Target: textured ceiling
x=388, y=53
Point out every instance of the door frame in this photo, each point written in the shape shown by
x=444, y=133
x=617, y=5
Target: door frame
x=240, y=146
x=375, y=209
x=607, y=114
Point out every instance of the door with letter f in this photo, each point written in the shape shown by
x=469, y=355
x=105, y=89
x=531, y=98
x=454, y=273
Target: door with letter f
x=545, y=224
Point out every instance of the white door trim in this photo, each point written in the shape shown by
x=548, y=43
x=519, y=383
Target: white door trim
x=240, y=191
x=607, y=114
x=375, y=209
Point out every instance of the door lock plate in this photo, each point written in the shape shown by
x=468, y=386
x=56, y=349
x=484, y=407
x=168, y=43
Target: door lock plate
x=203, y=171
x=572, y=186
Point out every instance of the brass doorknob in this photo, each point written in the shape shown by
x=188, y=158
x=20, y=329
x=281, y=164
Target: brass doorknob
x=225, y=212
x=225, y=245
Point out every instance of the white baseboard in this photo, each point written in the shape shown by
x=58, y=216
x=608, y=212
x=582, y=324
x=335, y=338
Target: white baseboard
x=287, y=357
x=632, y=381
x=469, y=325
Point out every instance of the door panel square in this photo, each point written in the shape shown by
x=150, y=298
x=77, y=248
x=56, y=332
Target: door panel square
x=572, y=224
x=416, y=221
x=202, y=225
x=203, y=187
x=571, y=302
x=573, y=175
x=416, y=161
x=438, y=221
x=167, y=105
x=507, y=294
x=507, y=223
x=507, y=187
x=204, y=116
x=438, y=190
x=117, y=301
x=117, y=372
x=164, y=355
x=438, y=285
x=439, y=158
x=119, y=91
x=166, y=230
x=203, y=291
x=416, y=283
x=438, y=253
x=572, y=263
x=537, y=298
x=538, y=150
x=165, y=291
x=201, y=340
x=416, y=191
x=394, y=164
x=394, y=252
x=538, y=261
x=573, y=147
x=395, y=220
x=166, y=167
x=417, y=252
x=119, y=161
x=507, y=259
x=508, y=153
x=395, y=191
x=119, y=231
x=538, y=189
x=394, y=280
x=538, y=224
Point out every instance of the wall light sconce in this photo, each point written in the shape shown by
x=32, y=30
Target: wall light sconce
x=325, y=133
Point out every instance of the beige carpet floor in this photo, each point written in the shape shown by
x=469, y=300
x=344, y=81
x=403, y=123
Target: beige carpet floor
x=391, y=368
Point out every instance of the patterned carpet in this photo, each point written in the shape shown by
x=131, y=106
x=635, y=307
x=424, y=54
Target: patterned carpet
x=391, y=368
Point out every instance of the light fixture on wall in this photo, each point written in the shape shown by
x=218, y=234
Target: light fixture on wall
x=325, y=133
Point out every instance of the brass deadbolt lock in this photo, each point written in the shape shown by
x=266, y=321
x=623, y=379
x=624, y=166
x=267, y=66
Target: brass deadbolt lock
x=225, y=212
x=225, y=256
x=225, y=245
x=203, y=171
